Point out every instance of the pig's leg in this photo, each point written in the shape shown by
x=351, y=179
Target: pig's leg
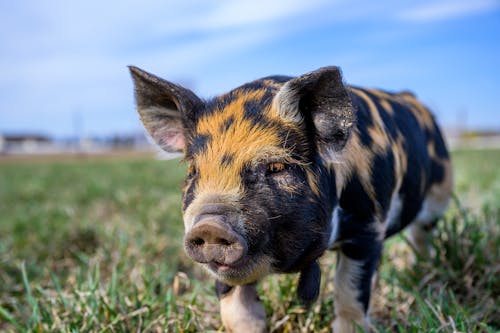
x=434, y=206
x=240, y=308
x=356, y=265
x=420, y=233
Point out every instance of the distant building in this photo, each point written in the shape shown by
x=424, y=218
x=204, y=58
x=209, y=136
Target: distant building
x=24, y=143
x=36, y=144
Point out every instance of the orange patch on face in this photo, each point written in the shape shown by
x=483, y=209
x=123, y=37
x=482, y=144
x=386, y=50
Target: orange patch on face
x=245, y=141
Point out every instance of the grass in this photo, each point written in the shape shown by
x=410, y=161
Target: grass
x=94, y=245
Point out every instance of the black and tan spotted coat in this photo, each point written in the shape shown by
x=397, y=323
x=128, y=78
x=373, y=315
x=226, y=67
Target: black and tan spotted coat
x=302, y=165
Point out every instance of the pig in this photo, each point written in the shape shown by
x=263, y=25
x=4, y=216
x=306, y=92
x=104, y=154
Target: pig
x=282, y=169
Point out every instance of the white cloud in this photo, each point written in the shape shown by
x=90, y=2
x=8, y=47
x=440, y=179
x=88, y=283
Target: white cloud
x=442, y=10
x=64, y=41
x=230, y=14
x=242, y=13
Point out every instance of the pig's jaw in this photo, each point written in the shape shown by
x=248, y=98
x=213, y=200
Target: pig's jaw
x=248, y=270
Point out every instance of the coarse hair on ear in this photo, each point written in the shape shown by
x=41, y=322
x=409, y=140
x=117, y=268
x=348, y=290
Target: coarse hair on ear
x=166, y=109
x=319, y=101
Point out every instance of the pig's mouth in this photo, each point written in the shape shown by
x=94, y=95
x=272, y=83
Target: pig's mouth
x=221, y=267
x=246, y=270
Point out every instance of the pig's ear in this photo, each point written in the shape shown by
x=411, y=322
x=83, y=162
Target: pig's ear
x=166, y=109
x=320, y=102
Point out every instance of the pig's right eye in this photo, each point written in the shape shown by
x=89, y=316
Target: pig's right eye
x=277, y=167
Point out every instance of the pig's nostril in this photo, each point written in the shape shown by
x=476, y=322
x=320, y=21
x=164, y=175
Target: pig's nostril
x=210, y=240
x=223, y=241
x=198, y=242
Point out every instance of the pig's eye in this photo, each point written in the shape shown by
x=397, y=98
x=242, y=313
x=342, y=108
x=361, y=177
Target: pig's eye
x=277, y=167
x=192, y=171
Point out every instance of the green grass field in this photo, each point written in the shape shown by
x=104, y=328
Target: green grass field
x=95, y=245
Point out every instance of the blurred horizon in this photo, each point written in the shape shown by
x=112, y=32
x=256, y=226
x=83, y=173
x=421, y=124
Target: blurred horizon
x=64, y=64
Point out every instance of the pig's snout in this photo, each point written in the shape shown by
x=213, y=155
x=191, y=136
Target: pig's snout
x=212, y=240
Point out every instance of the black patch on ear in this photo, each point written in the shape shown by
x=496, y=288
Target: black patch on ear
x=198, y=144
x=309, y=283
x=222, y=289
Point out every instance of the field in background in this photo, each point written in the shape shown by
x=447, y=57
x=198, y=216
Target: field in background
x=94, y=245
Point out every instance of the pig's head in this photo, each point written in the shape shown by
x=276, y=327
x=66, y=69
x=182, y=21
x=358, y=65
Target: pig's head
x=259, y=192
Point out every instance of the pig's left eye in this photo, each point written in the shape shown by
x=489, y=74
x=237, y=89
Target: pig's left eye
x=277, y=167
x=192, y=171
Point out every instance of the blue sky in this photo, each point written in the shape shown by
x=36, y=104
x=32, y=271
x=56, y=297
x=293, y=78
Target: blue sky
x=66, y=60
